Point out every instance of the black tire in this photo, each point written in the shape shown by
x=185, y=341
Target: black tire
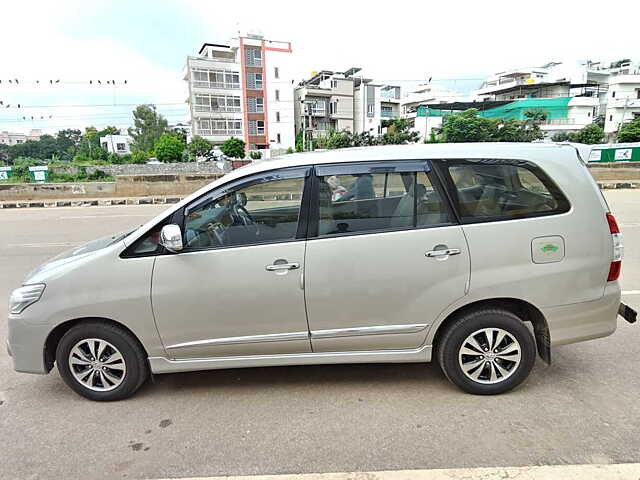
x=135, y=359
x=448, y=350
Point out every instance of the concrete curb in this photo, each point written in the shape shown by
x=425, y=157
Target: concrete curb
x=630, y=471
x=88, y=202
x=104, y=202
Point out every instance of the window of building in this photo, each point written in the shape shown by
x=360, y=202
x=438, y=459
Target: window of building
x=263, y=213
x=502, y=191
x=278, y=138
x=276, y=72
x=277, y=95
x=333, y=108
x=254, y=81
x=370, y=108
x=256, y=127
x=611, y=118
x=334, y=84
x=206, y=78
x=121, y=147
x=253, y=57
x=255, y=104
x=277, y=116
x=638, y=93
x=613, y=94
x=352, y=203
x=209, y=126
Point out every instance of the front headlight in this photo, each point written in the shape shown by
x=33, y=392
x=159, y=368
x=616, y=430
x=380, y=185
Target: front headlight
x=22, y=297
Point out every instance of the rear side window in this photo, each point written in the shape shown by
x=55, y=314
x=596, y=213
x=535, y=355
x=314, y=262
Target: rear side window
x=502, y=190
x=364, y=202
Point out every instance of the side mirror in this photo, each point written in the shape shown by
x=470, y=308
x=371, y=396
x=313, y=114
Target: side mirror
x=171, y=238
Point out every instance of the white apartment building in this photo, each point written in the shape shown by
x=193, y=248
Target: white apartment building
x=12, y=138
x=120, y=144
x=324, y=102
x=243, y=89
x=623, y=102
x=374, y=103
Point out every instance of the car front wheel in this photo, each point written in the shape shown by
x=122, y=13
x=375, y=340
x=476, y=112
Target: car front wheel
x=101, y=361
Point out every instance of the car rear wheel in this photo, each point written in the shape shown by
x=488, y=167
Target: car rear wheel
x=487, y=351
x=101, y=361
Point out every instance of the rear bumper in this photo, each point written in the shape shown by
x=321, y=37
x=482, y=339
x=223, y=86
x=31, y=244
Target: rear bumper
x=584, y=321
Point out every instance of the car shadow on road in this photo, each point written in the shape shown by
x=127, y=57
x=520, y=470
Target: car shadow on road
x=350, y=375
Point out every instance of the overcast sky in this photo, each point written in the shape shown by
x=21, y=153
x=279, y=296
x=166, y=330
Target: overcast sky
x=146, y=41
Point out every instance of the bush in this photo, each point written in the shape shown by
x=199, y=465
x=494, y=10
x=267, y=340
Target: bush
x=289, y=150
x=233, y=147
x=169, y=148
x=138, y=157
x=255, y=155
x=630, y=132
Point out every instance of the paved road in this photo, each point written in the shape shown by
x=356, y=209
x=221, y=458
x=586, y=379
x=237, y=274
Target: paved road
x=583, y=409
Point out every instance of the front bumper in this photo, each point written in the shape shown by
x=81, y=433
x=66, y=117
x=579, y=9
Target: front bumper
x=25, y=345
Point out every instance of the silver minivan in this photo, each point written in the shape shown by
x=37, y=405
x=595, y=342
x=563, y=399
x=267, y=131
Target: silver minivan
x=477, y=255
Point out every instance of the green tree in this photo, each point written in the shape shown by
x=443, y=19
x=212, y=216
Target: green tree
x=589, y=134
x=562, y=137
x=299, y=142
x=4, y=153
x=398, y=132
x=148, y=127
x=138, y=156
x=169, y=148
x=630, y=132
x=233, y=147
x=467, y=126
x=200, y=147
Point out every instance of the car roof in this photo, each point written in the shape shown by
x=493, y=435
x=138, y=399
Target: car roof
x=414, y=151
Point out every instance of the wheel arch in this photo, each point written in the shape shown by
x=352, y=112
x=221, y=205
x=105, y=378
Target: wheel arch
x=55, y=335
x=524, y=310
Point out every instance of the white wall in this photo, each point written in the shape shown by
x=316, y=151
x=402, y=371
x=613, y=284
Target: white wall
x=285, y=105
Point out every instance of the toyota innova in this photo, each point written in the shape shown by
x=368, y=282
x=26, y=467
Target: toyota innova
x=480, y=256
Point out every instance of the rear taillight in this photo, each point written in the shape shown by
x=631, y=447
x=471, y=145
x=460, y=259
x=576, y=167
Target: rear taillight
x=617, y=249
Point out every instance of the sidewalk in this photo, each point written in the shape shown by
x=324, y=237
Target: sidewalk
x=630, y=471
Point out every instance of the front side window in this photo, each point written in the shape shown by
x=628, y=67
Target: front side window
x=503, y=190
x=363, y=202
x=262, y=213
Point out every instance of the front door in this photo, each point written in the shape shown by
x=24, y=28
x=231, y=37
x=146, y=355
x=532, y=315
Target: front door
x=386, y=259
x=237, y=287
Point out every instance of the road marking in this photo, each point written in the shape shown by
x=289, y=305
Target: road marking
x=631, y=292
x=628, y=471
x=44, y=245
x=106, y=216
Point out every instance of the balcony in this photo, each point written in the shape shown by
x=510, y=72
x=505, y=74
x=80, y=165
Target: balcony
x=208, y=109
x=211, y=133
x=216, y=85
x=388, y=114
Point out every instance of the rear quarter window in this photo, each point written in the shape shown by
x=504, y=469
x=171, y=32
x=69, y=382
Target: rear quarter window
x=501, y=190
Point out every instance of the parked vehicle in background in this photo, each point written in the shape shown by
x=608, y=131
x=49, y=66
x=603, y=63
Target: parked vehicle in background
x=476, y=255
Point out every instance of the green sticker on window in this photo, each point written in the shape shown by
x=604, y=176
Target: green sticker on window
x=549, y=248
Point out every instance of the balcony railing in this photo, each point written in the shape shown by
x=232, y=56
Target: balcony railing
x=202, y=84
x=223, y=59
x=559, y=121
x=207, y=108
x=209, y=133
x=386, y=114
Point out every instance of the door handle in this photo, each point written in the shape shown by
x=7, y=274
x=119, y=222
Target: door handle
x=443, y=253
x=282, y=266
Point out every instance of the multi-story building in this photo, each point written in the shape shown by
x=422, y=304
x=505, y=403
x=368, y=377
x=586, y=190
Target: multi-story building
x=623, y=102
x=324, y=102
x=373, y=104
x=245, y=90
x=12, y=138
